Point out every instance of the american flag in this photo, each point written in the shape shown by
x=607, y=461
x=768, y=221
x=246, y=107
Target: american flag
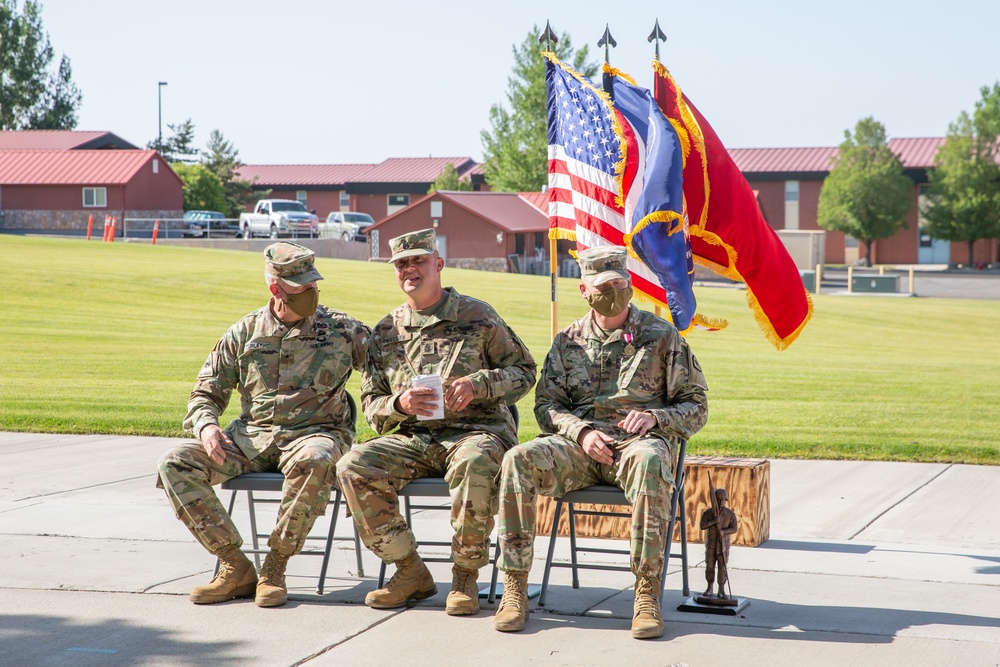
x=584, y=154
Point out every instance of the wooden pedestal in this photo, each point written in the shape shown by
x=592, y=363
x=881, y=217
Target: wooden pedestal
x=748, y=482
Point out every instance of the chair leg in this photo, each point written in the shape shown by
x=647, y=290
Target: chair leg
x=493, y=578
x=552, y=549
x=357, y=549
x=572, y=545
x=686, y=589
x=329, y=542
x=253, y=528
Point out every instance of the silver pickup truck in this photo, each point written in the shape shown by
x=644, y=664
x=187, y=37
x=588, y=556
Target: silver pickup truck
x=345, y=225
x=279, y=217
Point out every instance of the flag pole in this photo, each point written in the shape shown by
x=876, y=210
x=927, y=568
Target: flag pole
x=549, y=37
x=656, y=36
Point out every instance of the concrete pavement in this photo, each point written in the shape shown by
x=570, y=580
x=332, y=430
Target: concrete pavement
x=886, y=563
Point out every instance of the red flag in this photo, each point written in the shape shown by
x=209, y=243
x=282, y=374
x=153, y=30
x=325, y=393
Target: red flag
x=728, y=232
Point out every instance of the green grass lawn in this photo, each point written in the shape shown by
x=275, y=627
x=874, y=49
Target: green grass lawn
x=108, y=338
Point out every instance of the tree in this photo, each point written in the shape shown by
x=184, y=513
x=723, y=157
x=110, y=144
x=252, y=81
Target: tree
x=963, y=200
x=516, y=148
x=449, y=180
x=223, y=160
x=866, y=195
x=202, y=189
x=180, y=146
x=32, y=96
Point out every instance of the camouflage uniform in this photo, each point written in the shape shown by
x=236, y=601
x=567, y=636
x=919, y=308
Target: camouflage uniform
x=462, y=337
x=295, y=418
x=592, y=379
x=717, y=543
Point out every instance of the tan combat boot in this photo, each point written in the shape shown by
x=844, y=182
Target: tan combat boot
x=647, y=621
x=236, y=579
x=464, y=596
x=271, y=590
x=512, y=613
x=412, y=581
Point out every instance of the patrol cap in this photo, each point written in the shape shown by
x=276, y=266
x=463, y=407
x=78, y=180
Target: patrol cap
x=291, y=262
x=412, y=244
x=603, y=264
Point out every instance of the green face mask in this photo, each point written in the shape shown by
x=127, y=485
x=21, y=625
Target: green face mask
x=302, y=304
x=610, y=303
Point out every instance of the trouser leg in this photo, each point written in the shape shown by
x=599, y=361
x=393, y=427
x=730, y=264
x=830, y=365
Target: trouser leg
x=369, y=475
x=551, y=466
x=309, y=465
x=710, y=564
x=471, y=470
x=187, y=475
x=723, y=570
x=646, y=475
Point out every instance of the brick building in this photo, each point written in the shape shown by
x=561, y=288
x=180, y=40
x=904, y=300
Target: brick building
x=788, y=182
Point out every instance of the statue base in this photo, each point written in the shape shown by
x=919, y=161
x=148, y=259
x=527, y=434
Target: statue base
x=707, y=604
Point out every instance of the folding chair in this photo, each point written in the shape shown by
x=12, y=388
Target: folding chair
x=437, y=487
x=272, y=481
x=612, y=495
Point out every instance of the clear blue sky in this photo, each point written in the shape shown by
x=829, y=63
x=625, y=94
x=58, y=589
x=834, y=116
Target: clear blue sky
x=303, y=81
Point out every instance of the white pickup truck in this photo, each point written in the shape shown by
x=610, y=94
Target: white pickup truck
x=279, y=217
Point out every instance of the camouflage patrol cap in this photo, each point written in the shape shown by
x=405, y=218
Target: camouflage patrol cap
x=412, y=244
x=603, y=264
x=291, y=262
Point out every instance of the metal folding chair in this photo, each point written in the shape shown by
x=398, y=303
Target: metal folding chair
x=612, y=495
x=272, y=481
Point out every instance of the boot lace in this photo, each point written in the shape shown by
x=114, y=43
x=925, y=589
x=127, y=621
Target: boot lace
x=646, y=600
x=513, y=593
x=274, y=568
x=460, y=579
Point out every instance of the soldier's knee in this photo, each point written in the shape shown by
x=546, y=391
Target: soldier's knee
x=518, y=461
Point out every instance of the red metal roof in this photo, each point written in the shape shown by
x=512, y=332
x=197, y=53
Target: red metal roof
x=56, y=139
x=783, y=159
x=507, y=210
x=413, y=169
x=916, y=153
x=393, y=170
x=70, y=167
x=269, y=175
x=539, y=200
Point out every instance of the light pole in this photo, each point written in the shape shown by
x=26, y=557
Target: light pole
x=159, y=107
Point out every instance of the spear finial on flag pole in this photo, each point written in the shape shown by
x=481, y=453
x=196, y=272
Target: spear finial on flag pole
x=548, y=36
x=606, y=41
x=656, y=37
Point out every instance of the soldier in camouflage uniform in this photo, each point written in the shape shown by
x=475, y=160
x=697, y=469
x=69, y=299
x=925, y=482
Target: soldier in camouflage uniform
x=618, y=390
x=289, y=361
x=484, y=367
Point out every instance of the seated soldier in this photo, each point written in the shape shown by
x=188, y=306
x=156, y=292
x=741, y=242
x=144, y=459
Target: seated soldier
x=618, y=390
x=289, y=361
x=483, y=367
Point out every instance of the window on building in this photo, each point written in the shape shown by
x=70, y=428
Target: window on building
x=95, y=197
x=397, y=202
x=791, y=191
x=156, y=166
x=301, y=196
x=345, y=201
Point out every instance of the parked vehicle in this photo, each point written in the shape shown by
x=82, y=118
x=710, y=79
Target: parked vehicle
x=279, y=217
x=209, y=224
x=345, y=225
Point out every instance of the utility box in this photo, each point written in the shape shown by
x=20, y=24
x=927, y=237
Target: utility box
x=882, y=284
x=808, y=280
x=807, y=247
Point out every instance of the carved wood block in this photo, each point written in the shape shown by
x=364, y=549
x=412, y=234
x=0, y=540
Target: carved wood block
x=748, y=482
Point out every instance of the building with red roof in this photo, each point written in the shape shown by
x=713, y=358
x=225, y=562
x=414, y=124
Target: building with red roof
x=788, y=182
x=62, y=140
x=59, y=189
x=376, y=189
x=479, y=230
